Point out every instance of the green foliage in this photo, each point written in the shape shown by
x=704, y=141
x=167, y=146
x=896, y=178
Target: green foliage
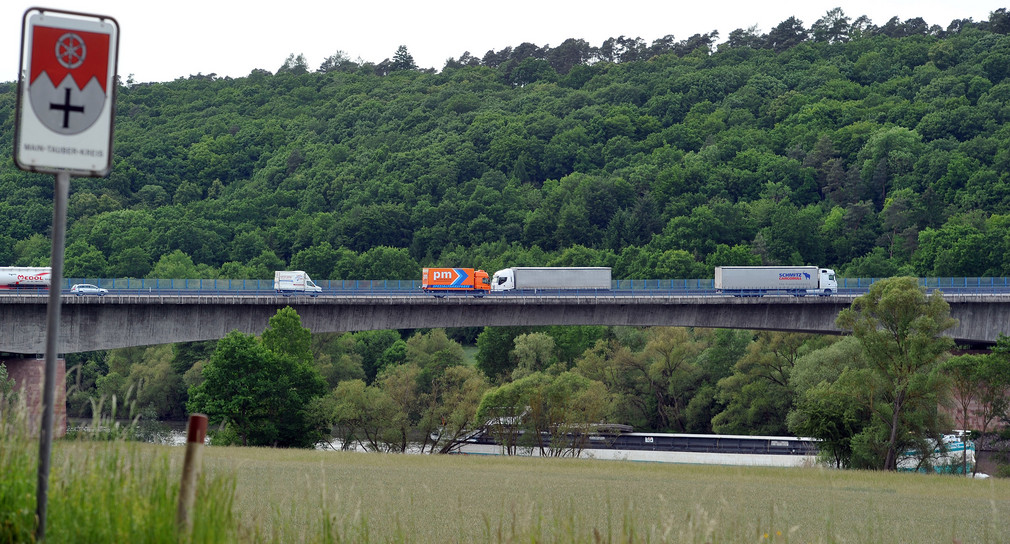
x=494, y=348
x=534, y=352
x=899, y=327
x=285, y=336
x=758, y=394
x=263, y=389
x=834, y=412
x=371, y=346
x=19, y=457
x=549, y=413
x=8, y=393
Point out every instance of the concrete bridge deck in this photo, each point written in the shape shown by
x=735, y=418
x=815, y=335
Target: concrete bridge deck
x=115, y=321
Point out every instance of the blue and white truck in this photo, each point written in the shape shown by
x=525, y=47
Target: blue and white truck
x=756, y=281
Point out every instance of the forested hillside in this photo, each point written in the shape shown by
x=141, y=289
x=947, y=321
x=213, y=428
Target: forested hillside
x=871, y=149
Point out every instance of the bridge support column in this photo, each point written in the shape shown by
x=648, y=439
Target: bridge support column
x=29, y=378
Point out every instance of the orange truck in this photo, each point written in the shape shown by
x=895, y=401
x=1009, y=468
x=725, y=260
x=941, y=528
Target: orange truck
x=467, y=280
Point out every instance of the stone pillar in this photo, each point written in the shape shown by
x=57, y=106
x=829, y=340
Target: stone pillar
x=28, y=375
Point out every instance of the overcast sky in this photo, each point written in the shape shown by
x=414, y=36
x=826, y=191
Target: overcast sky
x=163, y=41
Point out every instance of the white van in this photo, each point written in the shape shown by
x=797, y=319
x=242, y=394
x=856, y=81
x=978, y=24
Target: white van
x=293, y=282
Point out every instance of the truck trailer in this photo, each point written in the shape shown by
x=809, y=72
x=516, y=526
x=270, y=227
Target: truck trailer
x=25, y=277
x=542, y=277
x=439, y=281
x=293, y=282
x=756, y=281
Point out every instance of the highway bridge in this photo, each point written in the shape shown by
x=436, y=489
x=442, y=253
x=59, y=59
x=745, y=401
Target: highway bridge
x=149, y=312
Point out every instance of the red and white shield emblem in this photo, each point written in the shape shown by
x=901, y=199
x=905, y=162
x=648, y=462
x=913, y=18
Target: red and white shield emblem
x=67, y=77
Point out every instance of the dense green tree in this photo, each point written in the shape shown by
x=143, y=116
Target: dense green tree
x=336, y=358
x=758, y=395
x=286, y=336
x=370, y=346
x=177, y=265
x=552, y=410
x=453, y=407
x=671, y=368
x=433, y=352
x=295, y=65
x=363, y=414
x=132, y=262
x=494, y=348
x=84, y=261
x=403, y=60
x=832, y=28
x=899, y=327
x=263, y=389
x=830, y=398
x=159, y=389
x=787, y=34
x=534, y=352
x=834, y=414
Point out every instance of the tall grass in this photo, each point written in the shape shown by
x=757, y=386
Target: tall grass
x=105, y=491
x=18, y=477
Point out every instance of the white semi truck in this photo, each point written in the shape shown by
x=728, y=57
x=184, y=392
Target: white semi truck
x=756, y=281
x=293, y=282
x=542, y=277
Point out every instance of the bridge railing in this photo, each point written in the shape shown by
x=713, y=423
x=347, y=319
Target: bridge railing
x=663, y=285
x=951, y=285
x=224, y=286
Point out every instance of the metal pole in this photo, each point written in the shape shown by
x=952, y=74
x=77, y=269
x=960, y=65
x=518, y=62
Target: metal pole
x=52, y=336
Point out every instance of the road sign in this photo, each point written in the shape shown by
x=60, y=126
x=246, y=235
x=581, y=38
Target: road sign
x=66, y=91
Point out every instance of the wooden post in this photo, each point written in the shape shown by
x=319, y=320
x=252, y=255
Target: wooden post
x=196, y=432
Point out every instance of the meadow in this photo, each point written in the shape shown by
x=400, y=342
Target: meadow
x=119, y=491
x=416, y=498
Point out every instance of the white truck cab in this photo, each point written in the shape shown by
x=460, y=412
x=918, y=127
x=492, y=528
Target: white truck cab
x=503, y=280
x=826, y=282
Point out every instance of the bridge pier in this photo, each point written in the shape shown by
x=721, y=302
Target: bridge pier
x=29, y=378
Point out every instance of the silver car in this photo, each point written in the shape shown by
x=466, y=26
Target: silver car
x=87, y=289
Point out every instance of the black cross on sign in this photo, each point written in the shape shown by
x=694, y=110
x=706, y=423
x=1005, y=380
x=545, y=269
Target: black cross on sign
x=67, y=108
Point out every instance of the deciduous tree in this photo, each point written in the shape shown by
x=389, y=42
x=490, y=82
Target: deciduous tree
x=263, y=389
x=900, y=328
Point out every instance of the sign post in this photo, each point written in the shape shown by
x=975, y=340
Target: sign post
x=63, y=126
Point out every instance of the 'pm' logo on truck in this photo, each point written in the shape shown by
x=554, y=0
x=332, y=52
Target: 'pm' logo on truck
x=446, y=275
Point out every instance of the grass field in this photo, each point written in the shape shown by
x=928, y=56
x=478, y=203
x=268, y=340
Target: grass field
x=115, y=491
x=415, y=498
